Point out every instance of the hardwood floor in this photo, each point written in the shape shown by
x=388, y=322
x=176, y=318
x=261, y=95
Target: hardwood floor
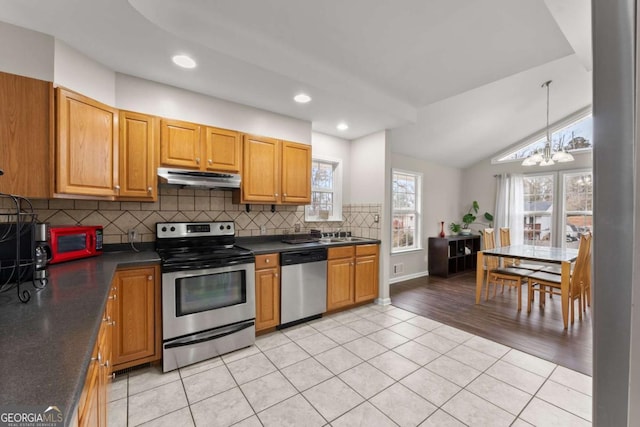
x=452, y=301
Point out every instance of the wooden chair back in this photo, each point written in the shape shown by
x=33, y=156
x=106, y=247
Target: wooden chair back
x=505, y=240
x=489, y=241
x=581, y=277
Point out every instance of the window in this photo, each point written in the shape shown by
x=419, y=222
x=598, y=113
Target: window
x=405, y=195
x=573, y=135
x=538, y=209
x=326, y=191
x=548, y=222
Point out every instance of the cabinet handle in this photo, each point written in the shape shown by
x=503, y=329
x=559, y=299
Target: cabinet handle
x=197, y=160
x=112, y=323
x=105, y=364
x=113, y=297
x=210, y=161
x=99, y=358
x=149, y=278
x=149, y=190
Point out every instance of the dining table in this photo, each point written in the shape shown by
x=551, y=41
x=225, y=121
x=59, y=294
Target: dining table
x=542, y=254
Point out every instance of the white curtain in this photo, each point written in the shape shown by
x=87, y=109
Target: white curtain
x=509, y=209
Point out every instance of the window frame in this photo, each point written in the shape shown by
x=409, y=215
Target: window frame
x=336, y=190
x=552, y=215
x=417, y=241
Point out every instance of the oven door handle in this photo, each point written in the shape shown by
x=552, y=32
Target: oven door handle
x=207, y=336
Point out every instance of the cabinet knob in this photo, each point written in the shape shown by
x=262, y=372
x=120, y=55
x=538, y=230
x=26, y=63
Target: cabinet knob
x=267, y=260
x=112, y=323
x=276, y=194
x=117, y=187
x=113, y=297
x=149, y=278
x=114, y=289
x=105, y=364
x=197, y=160
x=149, y=190
x=113, y=376
x=284, y=195
x=275, y=274
x=210, y=161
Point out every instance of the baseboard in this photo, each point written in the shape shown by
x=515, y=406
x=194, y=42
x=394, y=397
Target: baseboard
x=408, y=277
x=383, y=301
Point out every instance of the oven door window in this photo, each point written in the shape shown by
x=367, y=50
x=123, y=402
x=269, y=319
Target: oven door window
x=210, y=291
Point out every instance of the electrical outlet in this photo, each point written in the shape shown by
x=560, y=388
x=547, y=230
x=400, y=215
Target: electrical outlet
x=296, y=227
x=133, y=236
x=263, y=229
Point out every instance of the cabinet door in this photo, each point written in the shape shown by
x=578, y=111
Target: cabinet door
x=87, y=142
x=366, y=278
x=260, y=170
x=267, y=298
x=137, y=149
x=26, y=127
x=88, y=404
x=339, y=283
x=135, y=330
x=180, y=144
x=296, y=173
x=223, y=150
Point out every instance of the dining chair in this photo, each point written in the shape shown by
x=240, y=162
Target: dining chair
x=504, y=276
x=549, y=283
x=505, y=240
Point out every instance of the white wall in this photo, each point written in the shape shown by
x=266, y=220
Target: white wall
x=149, y=97
x=440, y=200
x=25, y=52
x=336, y=148
x=75, y=71
x=367, y=169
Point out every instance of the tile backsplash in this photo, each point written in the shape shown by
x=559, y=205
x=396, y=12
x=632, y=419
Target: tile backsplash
x=197, y=205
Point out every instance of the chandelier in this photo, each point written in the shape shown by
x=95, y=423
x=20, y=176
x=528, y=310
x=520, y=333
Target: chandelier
x=548, y=156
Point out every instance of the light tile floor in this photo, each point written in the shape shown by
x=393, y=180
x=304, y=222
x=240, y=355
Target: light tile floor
x=370, y=366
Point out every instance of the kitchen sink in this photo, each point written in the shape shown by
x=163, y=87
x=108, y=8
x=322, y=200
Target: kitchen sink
x=341, y=239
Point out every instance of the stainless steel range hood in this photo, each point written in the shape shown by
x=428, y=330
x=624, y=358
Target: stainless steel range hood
x=191, y=178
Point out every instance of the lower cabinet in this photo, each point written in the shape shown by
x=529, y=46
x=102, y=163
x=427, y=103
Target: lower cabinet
x=267, y=291
x=352, y=275
x=137, y=335
x=92, y=407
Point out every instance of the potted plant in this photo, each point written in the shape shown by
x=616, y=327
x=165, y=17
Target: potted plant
x=468, y=219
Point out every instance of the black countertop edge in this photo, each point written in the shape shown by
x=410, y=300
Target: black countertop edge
x=53, y=335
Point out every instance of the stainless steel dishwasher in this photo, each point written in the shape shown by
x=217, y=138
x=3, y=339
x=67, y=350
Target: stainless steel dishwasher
x=303, y=286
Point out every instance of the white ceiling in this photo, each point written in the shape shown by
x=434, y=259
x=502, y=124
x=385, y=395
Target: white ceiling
x=456, y=80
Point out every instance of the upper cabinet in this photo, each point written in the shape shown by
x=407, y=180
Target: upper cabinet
x=87, y=146
x=26, y=136
x=138, y=151
x=193, y=146
x=180, y=144
x=275, y=171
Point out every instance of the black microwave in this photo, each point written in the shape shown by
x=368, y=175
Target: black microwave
x=9, y=255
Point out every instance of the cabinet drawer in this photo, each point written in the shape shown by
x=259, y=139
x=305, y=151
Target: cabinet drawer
x=341, y=252
x=366, y=250
x=266, y=261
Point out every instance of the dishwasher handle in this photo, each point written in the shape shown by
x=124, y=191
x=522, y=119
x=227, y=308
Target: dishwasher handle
x=303, y=256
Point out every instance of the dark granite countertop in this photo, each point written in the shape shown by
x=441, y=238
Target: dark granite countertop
x=270, y=244
x=46, y=344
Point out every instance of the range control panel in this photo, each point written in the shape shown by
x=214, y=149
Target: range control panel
x=171, y=230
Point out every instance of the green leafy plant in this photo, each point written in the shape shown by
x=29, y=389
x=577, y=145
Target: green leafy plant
x=470, y=218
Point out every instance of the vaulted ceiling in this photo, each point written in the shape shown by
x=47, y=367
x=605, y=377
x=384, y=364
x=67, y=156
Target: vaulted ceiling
x=457, y=81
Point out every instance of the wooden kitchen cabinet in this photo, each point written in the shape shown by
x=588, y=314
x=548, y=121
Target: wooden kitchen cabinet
x=194, y=146
x=275, y=171
x=87, y=146
x=138, y=148
x=222, y=148
x=352, y=275
x=366, y=273
x=26, y=136
x=137, y=334
x=180, y=144
x=92, y=406
x=267, y=291
x=340, y=277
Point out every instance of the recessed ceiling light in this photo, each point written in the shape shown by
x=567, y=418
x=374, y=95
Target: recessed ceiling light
x=184, y=61
x=302, y=98
x=342, y=126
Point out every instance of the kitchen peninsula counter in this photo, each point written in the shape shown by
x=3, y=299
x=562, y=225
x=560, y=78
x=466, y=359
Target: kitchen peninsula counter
x=47, y=342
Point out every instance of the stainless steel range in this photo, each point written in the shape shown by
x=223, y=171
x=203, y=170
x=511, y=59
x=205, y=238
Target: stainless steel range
x=208, y=292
